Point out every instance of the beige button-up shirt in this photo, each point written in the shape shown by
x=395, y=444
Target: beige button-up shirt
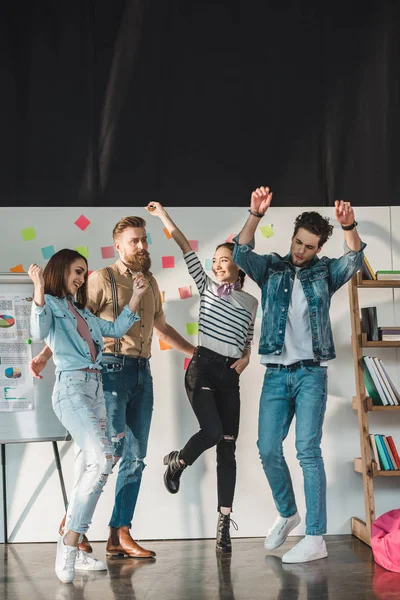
x=137, y=341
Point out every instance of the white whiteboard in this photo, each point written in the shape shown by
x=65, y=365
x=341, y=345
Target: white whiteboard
x=39, y=424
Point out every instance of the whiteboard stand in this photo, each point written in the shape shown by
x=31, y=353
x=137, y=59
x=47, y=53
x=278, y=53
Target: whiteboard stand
x=4, y=475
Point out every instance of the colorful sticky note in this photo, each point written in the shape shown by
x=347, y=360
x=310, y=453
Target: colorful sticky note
x=162, y=297
x=17, y=269
x=82, y=222
x=194, y=244
x=89, y=272
x=185, y=292
x=267, y=231
x=167, y=233
x=208, y=264
x=164, y=345
x=259, y=312
x=192, y=328
x=186, y=363
x=83, y=250
x=48, y=251
x=107, y=252
x=168, y=262
x=28, y=234
x=149, y=238
x=230, y=238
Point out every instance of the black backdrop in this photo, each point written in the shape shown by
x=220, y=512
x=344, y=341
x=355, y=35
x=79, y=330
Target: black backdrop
x=117, y=102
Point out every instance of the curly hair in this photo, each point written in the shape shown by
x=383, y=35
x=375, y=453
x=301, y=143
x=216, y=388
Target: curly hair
x=314, y=223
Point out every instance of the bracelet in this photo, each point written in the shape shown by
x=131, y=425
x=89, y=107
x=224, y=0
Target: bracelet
x=255, y=214
x=349, y=227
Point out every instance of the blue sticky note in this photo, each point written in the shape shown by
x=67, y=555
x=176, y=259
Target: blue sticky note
x=259, y=312
x=149, y=240
x=208, y=264
x=48, y=252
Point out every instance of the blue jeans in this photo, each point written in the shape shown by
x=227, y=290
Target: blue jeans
x=285, y=393
x=128, y=391
x=78, y=403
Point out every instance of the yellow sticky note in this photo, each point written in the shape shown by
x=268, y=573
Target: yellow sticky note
x=83, y=250
x=28, y=234
x=192, y=328
x=162, y=297
x=164, y=345
x=267, y=231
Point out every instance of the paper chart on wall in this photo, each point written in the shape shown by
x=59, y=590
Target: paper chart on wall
x=16, y=386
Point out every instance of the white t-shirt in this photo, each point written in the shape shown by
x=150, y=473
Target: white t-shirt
x=298, y=339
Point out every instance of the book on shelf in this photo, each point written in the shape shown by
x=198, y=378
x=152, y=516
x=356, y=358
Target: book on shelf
x=375, y=451
x=366, y=270
x=394, y=450
x=390, y=454
x=389, y=334
x=388, y=275
x=382, y=453
x=378, y=383
x=369, y=323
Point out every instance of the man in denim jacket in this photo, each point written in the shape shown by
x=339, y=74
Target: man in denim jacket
x=296, y=343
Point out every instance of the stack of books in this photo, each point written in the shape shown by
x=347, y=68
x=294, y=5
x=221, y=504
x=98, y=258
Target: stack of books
x=389, y=334
x=378, y=383
x=388, y=275
x=384, y=452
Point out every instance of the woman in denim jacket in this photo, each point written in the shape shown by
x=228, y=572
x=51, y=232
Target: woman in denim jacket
x=60, y=317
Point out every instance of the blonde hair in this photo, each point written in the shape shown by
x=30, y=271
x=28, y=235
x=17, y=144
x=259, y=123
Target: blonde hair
x=126, y=222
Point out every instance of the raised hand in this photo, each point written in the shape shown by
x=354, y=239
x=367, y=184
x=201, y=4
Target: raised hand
x=344, y=212
x=36, y=274
x=156, y=209
x=261, y=200
x=140, y=285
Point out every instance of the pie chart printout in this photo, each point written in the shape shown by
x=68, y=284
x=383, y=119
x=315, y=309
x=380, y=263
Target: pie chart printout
x=12, y=373
x=6, y=321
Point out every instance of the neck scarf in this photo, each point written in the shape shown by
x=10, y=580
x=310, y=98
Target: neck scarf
x=225, y=289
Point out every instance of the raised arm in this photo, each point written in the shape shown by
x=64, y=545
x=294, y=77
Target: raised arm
x=156, y=209
x=345, y=216
x=259, y=204
x=41, y=315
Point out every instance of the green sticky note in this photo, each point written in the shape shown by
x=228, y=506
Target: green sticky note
x=192, y=328
x=208, y=264
x=28, y=234
x=267, y=231
x=259, y=313
x=83, y=250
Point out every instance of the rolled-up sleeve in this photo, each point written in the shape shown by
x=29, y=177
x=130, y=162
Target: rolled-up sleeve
x=120, y=326
x=40, y=322
x=253, y=264
x=342, y=269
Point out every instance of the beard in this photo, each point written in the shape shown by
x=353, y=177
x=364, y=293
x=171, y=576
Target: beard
x=140, y=262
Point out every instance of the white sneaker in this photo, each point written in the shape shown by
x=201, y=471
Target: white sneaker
x=65, y=561
x=86, y=562
x=311, y=547
x=280, y=530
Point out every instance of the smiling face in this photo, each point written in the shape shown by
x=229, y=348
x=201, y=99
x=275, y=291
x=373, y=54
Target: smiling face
x=224, y=269
x=132, y=247
x=75, y=276
x=305, y=245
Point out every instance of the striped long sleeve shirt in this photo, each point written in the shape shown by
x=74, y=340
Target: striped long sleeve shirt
x=226, y=326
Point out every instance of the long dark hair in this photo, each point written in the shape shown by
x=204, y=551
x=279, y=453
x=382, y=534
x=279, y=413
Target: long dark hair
x=230, y=246
x=54, y=275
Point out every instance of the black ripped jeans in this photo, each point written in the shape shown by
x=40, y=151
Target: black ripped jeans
x=213, y=391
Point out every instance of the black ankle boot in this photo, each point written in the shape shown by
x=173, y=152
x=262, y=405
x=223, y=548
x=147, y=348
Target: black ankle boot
x=174, y=471
x=223, y=535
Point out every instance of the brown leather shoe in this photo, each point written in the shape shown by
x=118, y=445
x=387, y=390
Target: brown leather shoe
x=120, y=542
x=84, y=545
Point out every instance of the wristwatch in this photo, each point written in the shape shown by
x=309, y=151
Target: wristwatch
x=350, y=227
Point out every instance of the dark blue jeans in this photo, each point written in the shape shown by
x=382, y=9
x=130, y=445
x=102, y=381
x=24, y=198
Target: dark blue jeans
x=303, y=393
x=128, y=392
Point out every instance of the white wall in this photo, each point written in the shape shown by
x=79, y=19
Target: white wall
x=34, y=498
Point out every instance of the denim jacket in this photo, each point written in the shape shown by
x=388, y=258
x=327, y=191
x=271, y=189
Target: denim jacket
x=320, y=279
x=57, y=325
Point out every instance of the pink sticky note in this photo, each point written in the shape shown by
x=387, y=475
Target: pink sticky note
x=168, y=262
x=194, y=244
x=186, y=363
x=107, y=252
x=82, y=222
x=89, y=273
x=230, y=238
x=185, y=292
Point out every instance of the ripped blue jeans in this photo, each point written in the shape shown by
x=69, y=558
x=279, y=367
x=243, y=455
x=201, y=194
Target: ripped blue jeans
x=78, y=402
